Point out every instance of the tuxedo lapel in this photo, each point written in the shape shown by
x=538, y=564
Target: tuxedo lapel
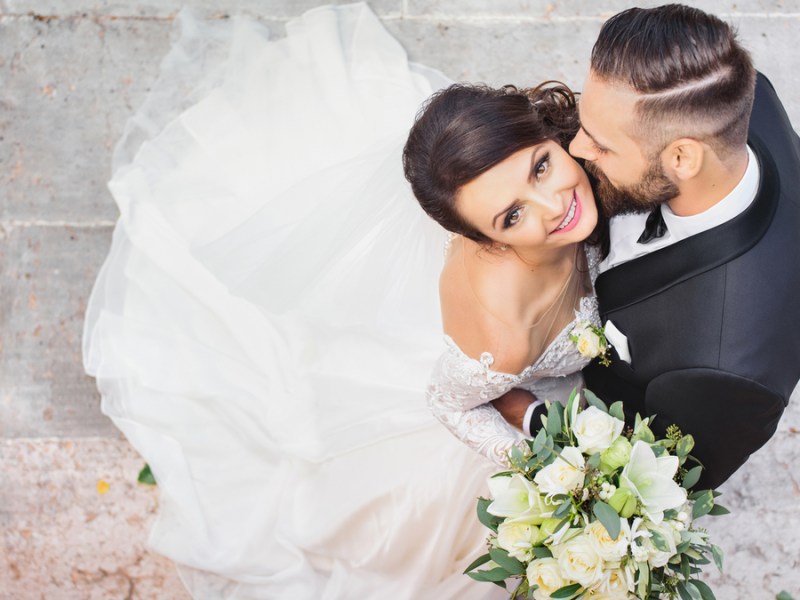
x=638, y=279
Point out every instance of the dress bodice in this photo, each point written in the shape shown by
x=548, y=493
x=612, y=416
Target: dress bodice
x=461, y=387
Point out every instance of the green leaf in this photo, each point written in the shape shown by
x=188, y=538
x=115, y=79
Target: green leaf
x=565, y=592
x=481, y=560
x=705, y=591
x=554, y=419
x=686, y=567
x=685, y=445
x=484, y=517
x=570, y=406
x=539, y=441
x=509, y=563
x=608, y=517
x=718, y=555
x=702, y=505
x=718, y=510
x=692, y=477
x=541, y=552
x=687, y=591
x=783, y=596
x=146, y=476
x=659, y=541
x=495, y=575
x=616, y=411
x=563, y=509
x=593, y=400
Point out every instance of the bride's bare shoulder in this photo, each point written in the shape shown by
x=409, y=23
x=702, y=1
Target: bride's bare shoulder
x=475, y=327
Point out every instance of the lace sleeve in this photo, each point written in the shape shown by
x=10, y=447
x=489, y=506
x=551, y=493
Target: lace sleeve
x=458, y=396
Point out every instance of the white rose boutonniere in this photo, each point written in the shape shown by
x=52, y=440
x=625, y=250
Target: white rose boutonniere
x=591, y=342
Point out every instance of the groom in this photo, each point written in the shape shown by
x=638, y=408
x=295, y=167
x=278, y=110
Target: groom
x=699, y=169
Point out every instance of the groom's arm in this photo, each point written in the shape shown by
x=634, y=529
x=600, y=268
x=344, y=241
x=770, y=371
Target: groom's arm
x=729, y=416
x=521, y=409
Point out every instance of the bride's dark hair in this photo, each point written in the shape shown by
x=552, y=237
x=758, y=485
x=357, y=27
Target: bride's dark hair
x=464, y=130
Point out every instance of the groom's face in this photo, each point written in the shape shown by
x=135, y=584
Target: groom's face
x=629, y=179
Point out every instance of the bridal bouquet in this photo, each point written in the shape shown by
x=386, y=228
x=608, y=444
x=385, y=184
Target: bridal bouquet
x=594, y=511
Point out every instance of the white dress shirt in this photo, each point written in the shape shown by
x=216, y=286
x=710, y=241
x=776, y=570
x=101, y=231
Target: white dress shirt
x=624, y=230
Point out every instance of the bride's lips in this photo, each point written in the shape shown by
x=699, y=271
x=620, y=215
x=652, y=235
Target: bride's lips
x=572, y=218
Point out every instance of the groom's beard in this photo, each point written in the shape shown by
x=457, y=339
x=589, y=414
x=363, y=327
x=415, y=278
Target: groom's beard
x=652, y=189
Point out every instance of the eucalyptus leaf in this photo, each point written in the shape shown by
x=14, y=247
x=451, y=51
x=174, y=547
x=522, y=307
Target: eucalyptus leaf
x=702, y=505
x=554, y=419
x=692, y=477
x=718, y=555
x=565, y=592
x=593, y=400
x=146, y=476
x=509, y=563
x=495, y=575
x=539, y=441
x=563, y=509
x=705, y=591
x=484, y=517
x=783, y=595
x=688, y=591
x=608, y=517
x=481, y=560
x=616, y=411
x=541, y=552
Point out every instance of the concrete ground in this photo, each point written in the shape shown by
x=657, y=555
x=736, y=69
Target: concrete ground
x=73, y=520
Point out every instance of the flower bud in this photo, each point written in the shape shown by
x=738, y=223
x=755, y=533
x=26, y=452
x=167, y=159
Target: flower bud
x=616, y=455
x=624, y=502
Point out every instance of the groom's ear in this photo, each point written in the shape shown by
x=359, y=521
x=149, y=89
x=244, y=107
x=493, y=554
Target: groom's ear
x=683, y=158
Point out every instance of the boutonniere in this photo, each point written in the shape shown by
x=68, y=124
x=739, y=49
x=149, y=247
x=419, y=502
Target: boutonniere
x=591, y=342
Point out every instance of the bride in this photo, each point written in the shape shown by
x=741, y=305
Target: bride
x=264, y=328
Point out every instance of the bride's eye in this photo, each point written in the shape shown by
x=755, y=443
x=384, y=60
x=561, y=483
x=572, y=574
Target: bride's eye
x=512, y=217
x=542, y=166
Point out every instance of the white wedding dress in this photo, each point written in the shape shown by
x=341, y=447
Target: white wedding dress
x=264, y=328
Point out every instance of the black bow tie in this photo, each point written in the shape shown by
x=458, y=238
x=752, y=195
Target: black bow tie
x=654, y=227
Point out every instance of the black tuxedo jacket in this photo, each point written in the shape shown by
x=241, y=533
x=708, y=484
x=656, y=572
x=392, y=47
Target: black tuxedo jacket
x=713, y=321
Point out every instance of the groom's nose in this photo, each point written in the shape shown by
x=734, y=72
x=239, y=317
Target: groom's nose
x=581, y=146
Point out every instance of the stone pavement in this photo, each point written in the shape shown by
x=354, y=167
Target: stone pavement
x=72, y=519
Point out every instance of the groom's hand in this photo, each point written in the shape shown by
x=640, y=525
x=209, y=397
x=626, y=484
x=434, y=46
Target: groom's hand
x=513, y=404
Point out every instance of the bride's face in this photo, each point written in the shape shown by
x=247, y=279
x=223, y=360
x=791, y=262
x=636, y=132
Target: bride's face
x=536, y=198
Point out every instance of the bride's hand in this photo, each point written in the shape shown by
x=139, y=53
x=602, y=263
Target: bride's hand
x=513, y=404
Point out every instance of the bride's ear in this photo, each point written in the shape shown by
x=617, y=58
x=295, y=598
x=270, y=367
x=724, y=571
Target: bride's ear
x=683, y=158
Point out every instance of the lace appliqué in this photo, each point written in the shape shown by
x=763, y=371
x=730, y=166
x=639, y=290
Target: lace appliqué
x=461, y=387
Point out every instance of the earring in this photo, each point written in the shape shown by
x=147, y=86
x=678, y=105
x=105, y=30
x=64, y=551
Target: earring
x=503, y=247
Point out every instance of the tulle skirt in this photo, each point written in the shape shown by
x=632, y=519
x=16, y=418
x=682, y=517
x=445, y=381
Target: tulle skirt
x=264, y=326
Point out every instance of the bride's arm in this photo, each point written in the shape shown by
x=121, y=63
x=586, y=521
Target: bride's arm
x=459, y=396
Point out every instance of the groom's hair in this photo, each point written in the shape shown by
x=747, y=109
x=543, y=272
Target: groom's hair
x=692, y=76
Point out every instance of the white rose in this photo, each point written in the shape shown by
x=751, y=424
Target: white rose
x=596, y=430
x=545, y=573
x=564, y=474
x=608, y=549
x=589, y=344
x=517, y=538
x=579, y=561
